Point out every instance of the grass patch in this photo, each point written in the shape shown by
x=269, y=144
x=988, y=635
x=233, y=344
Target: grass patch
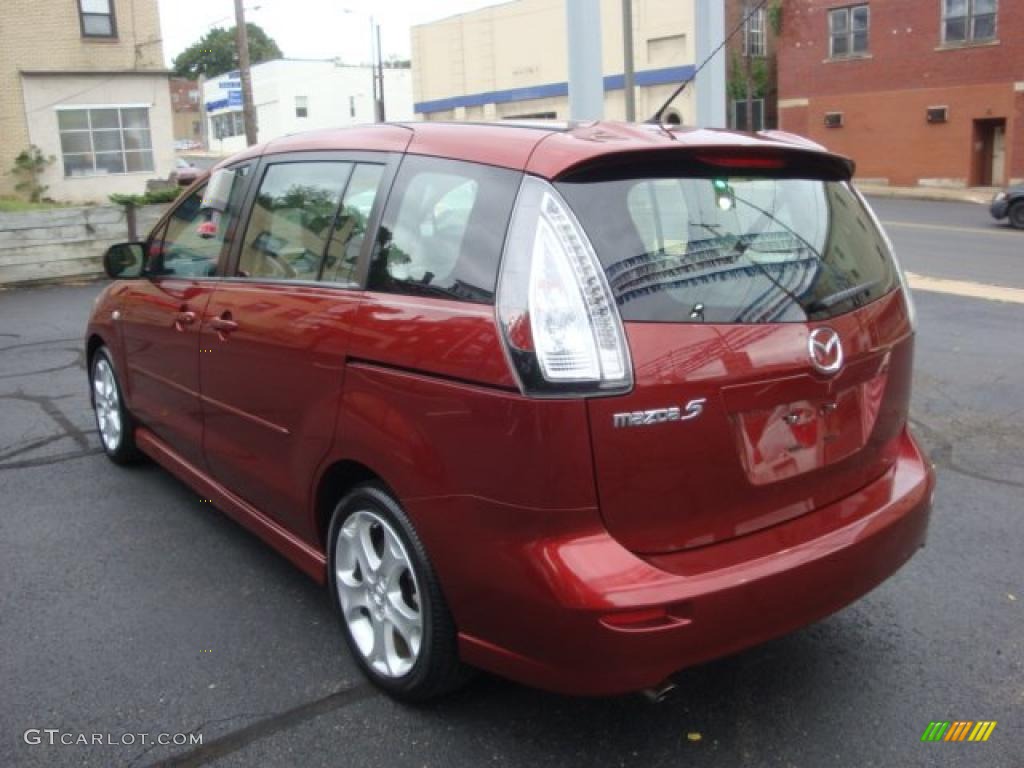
x=17, y=205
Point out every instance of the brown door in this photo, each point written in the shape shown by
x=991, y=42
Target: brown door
x=986, y=162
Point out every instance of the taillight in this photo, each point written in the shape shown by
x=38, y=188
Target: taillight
x=558, y=318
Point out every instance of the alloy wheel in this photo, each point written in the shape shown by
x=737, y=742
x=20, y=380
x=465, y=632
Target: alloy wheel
x=379, y=594
x=107, y=403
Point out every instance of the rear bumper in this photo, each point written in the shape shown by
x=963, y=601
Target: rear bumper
x=595, y=619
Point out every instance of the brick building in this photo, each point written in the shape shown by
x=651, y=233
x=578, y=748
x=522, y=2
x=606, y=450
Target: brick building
x=915, y=91
x=84, y=80
x=185, y=98
x=751, y=57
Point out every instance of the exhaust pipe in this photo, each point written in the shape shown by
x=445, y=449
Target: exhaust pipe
x=659, y=693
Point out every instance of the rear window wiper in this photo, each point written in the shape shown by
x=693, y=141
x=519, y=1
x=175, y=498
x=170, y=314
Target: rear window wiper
x=832, y=299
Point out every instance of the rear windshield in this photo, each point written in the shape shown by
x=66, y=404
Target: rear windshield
x=733, y=249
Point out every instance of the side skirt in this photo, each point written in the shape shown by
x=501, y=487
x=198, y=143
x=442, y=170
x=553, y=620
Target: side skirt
x=310, y=560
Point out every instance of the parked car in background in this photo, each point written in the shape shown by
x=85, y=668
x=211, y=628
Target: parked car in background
x=580, y=405
x=184, y=172
x=1009, y=205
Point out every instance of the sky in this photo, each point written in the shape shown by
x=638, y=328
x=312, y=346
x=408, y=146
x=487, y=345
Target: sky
x=310, y=29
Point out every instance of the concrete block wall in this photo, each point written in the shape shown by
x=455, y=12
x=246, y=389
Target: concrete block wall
x=61, y=243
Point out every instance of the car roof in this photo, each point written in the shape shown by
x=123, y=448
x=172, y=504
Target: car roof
x=546, y=148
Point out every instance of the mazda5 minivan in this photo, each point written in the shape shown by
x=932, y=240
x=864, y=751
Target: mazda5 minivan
x=578, y=404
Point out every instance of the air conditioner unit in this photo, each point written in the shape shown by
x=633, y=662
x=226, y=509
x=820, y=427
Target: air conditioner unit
x=938, y=114
x=833, y=119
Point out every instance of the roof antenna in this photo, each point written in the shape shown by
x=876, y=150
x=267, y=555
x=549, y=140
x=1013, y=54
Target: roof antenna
x=655, y=119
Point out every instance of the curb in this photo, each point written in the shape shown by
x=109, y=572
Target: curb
x=942, y=194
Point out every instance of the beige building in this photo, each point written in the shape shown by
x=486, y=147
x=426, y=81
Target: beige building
x=510, y=61
x=84, y=80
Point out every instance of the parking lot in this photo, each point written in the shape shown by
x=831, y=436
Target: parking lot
x=129, y=606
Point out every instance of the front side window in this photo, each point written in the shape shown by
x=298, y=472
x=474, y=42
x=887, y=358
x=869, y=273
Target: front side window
x=848, y=31
x=182, y=247
x=753, y=34
x=105, y=141
x=965, y=21
x=443, y=230
x=292, y=220
x=734, y=249
x=96, y=18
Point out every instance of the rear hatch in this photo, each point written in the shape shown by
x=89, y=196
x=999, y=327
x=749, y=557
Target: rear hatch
x=771, y=343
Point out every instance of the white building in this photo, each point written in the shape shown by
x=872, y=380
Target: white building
x=293, y=95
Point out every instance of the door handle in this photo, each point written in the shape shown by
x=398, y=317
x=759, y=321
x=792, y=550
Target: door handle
x=183, y=319
x=224, y=325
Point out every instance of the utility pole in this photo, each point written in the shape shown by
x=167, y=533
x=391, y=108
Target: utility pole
x=586, y=82
x=629, y=75
x=245, y=75
x=710, y=27
x=381, y=115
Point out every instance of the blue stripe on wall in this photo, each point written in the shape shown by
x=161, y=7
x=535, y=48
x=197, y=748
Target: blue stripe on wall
x=548, y=90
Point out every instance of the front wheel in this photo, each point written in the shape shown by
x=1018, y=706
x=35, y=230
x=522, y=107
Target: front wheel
x=394, y=616
x=1016, y=214
x=114, y=423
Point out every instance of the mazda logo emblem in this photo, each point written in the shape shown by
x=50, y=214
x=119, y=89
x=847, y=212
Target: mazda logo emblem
x=825, y=350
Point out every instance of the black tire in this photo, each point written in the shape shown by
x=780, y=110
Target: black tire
x=123, y=450
x=437, y=669
x=1016, y=214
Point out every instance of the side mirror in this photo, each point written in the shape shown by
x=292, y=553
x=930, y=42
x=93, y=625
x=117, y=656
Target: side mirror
x=218, y=191
x=124, y=261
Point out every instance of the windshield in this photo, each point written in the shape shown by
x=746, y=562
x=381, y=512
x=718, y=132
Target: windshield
x=733, y=249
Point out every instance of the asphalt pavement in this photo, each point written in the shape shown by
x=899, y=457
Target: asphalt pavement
x=128, y=605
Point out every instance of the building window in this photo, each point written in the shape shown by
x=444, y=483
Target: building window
x=351, y=106
x=965, y=21
x=97, y=18
x=739, y=115
x=227, y=125
x=105, y=141
x=848, y=31
x=753, y=33
x=302, y=106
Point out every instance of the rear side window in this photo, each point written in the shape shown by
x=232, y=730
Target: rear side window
x=443, y=230
x=291, y=220
x=733, y=249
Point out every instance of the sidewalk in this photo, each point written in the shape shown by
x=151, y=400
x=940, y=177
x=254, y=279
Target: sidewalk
x=981, y=195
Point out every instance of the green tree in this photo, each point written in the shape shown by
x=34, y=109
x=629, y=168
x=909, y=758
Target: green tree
x=216, y=53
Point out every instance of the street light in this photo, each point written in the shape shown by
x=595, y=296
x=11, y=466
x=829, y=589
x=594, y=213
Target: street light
x=376, y=66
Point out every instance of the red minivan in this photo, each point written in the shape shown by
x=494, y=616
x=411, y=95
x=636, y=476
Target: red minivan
x=579, y=404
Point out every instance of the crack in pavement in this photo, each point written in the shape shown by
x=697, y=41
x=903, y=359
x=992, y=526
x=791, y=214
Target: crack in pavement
x=942, y=455
x=49, y=407
x=261, y=729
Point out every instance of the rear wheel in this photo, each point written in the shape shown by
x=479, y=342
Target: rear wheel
x=1016, y=214
x=114, y=423
x=393, y=614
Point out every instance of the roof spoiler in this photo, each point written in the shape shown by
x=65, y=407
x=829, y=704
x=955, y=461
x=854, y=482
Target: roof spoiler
x=795, y=160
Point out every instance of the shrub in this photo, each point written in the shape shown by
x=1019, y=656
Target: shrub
x=28, y=167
